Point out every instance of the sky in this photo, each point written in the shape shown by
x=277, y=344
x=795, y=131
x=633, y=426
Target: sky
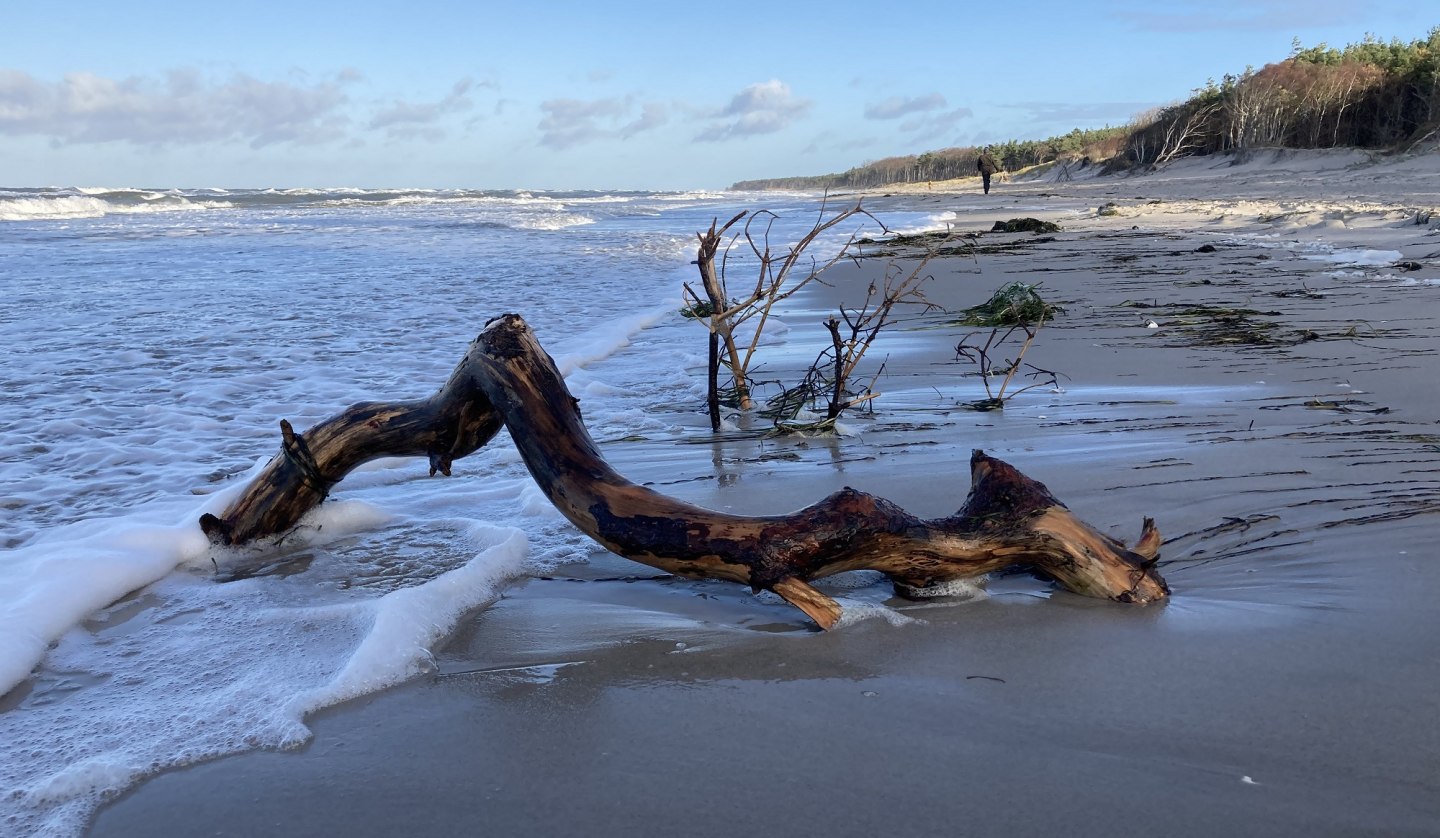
x=599, y=95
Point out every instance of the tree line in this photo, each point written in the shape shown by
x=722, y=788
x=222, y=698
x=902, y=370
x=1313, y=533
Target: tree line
x=1372, y=94
x=947, y=163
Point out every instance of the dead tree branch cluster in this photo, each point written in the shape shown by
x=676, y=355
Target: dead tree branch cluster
x=778, y=276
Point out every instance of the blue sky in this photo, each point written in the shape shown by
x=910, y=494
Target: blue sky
x=598, y=95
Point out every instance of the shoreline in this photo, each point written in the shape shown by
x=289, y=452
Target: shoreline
x=1281, y=691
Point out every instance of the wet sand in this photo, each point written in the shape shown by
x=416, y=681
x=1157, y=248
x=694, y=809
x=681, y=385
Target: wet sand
x=1291, y=456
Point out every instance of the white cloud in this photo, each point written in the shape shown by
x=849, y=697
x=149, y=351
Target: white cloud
x=932, y=126
x=762, y=108
x=835, y=141
x=406, y=120
x=183, y=107
x=897, y=106
x=652, y=115
x=571, y=122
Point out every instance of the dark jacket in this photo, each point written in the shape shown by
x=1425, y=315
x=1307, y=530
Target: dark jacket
x=986, y=164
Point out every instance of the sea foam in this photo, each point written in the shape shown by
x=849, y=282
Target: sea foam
x=196, y=670
x=1355, y=256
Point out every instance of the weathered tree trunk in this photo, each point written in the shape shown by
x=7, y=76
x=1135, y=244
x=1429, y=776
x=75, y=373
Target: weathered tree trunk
x=720, y=327
x=837, y=387
x=1007, y=520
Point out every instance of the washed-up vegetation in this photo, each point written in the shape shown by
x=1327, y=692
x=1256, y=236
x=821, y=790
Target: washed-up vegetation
x=1217, y=325
x=1025, y=225
x=1014, y=313
x=932, y=243
x=1011, y=305
x=828, y=386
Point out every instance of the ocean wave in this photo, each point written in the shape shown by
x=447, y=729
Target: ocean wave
x=64, y=207
x=695, y=195
x=557, y=209
x=32, y=209
x=108, y=190
x=555, y=221
x=668, y=248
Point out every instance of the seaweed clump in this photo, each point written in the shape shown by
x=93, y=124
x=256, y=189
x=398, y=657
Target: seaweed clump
x=701, y=309
x=1025, y=225
x=1208, y=325
x=933, y=242
x=1014, y=304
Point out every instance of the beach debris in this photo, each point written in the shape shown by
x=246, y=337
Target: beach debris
x=827, y=385
x=1108, y=208
x=1025, y=225
x=1207, y=325
x=932, y=242
x=506, y=377
x=1304, y=292
x=1012, y=304
x=1407, y=265
x=1337, y=405
x=1344, y=406
x=1206, y=248
x=778, y=277
x=1015, y=307
x=1151, y=324
x=701, y=309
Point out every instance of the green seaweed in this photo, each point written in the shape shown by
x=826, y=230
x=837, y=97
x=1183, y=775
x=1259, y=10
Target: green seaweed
x=1025, y=225
x=701, y=309
x=1012, y=305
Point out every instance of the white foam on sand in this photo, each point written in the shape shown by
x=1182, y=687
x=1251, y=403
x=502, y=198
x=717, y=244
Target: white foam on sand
x=1355, y=256
x=858, y=610
x=409, y=622
x=195, y=670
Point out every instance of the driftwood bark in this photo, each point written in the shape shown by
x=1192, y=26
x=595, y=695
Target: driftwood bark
x=1008, y=519
x=455, y=422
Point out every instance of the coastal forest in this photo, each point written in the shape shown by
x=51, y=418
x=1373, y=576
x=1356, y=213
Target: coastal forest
x=1373, y=94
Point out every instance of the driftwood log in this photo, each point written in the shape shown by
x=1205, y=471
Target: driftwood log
x=1007, y=520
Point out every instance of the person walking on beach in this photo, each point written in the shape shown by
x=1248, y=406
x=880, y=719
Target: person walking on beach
x=987, y=166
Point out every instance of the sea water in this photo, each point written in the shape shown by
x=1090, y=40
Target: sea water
x=153, y=340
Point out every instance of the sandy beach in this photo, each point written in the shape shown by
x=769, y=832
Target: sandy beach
x=1249, y=357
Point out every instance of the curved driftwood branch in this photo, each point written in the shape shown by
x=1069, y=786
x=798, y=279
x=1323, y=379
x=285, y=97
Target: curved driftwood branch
x=1008, y=519
x=455, y=422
